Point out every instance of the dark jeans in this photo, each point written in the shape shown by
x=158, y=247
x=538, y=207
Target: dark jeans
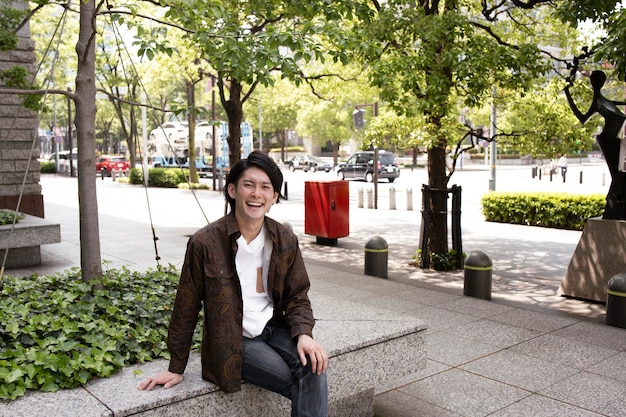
x=271, y=361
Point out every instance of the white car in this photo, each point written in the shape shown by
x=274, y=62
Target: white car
x=204, y=131
x=174, y=132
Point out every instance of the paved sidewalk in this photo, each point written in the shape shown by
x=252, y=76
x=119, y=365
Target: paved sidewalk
x=526, y=352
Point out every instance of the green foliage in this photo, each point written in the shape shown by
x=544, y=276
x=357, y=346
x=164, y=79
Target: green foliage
x=48, y=167
x=609, y=18
x=440, y=261
x=160, y=177
x=10, y=18
x=8, y=217
x=542, y=123
x=390, y=131
x=557, y=210
x=444, y=261
x=59, y=333
x=17, y=77
x=193, y=186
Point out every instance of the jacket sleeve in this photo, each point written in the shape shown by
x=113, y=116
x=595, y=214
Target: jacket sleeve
x=187, y=306
x=296, y=306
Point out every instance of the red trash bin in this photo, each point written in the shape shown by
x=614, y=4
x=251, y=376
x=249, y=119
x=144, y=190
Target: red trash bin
x=327, y=210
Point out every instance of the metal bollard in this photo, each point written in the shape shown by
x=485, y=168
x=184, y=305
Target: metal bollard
x=603, y=178
x=360, y=197
x=286, y=194
x=533, y=172
x=477, y=276
x=581, y=177
x=220, y=180
x=409, y=199
x=392, y=198
x=370, y=199
x=113, y=174
x=103, y=173
x=616, y=301
x=376, y=257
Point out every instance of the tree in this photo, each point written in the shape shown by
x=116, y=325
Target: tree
x=541, y=123
x=278, y=107
x=85, y=99
x=427, y=57
x=245, y=42
x=609, y=19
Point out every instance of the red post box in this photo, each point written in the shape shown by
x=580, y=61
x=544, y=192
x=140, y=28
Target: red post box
x=327, y=210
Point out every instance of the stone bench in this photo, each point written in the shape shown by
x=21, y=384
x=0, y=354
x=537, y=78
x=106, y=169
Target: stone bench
x=367, y=347
x=26, y=239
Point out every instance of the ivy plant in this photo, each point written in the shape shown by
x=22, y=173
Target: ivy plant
x=58, y=332
x=8, y=217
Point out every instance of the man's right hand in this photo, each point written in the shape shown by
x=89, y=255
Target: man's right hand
x=167, y=379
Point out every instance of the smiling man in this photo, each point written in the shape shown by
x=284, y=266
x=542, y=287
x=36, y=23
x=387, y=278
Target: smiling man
x=247, y=272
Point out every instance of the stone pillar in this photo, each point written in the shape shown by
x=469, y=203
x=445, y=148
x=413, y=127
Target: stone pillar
x=19, y=166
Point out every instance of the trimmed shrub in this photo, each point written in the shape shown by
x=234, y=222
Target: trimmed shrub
x=160, y=177
x=48, y=167
x=556, y=210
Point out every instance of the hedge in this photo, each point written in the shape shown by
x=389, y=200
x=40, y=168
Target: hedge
x=556, y=210
x=160, y=177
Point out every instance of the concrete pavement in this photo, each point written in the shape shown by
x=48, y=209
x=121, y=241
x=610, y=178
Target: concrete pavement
x=526, y=352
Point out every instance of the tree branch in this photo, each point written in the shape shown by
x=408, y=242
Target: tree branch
x=22, y=92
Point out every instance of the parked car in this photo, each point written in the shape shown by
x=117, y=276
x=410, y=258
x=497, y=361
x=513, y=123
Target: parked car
x=175, y=132
x=64, y=161
x=308, y=163
x=203, y=131
x=105, y=164
x=361, y=166
x=318, y=164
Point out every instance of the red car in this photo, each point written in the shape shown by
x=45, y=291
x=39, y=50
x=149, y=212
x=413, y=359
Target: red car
x=107, y=163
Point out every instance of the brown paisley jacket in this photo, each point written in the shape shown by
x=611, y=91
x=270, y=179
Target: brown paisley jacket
x=209, y=278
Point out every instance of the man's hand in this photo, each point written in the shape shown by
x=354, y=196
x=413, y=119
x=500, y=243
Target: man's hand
x=167, y=379
x=316, y=353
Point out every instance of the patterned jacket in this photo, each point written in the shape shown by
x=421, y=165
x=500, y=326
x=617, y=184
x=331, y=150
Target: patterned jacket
x=209, y=278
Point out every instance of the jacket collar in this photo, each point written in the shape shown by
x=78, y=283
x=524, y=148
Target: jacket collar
x=232, y=228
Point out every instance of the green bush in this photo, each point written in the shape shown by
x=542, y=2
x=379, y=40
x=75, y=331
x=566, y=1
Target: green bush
x=160, y=177
x=556, y=210
x=57, y=332
x=48, y=167
x=8, y=217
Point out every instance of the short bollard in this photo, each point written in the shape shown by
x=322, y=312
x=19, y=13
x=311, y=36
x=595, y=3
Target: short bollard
x=360, y=197
x=477, y=279
x=376, y=257
x=409, y=199
x=113, y=174
x=370, y=198
x=392, y=198
x=616, y=301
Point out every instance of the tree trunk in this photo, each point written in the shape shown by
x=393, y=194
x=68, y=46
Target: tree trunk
x=438, y=204
x=90, y=261
x=234, y=111
x=191, y=123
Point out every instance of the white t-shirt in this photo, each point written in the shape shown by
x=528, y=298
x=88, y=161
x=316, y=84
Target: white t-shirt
x=252, y=271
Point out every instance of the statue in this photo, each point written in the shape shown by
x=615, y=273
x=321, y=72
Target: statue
x=608, y=140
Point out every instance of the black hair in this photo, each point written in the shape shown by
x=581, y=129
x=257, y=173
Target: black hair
x=259, y=160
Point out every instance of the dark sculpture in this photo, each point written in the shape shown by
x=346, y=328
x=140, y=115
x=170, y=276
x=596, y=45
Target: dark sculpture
x=608, y=140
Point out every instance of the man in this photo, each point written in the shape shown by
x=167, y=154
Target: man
x=563, y=165
x=247, y=271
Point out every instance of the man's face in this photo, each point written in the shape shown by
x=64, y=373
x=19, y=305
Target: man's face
x=254, y=194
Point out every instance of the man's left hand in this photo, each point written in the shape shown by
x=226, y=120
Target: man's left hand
x=315, y=352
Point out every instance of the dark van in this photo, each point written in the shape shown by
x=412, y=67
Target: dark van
x=361, y=166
